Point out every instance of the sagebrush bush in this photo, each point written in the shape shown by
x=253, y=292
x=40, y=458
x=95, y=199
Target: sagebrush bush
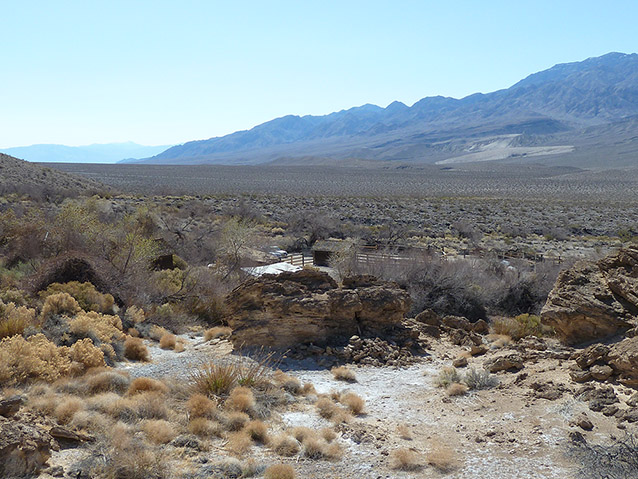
x=60, y=303
x=87, y=354
x=135, y=350
x=14, y=319
x=88, y=298
x=480, y=379
x=36, y=358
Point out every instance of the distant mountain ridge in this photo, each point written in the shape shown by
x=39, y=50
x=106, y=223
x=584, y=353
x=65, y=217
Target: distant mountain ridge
x=97, y=153
x=552, y=107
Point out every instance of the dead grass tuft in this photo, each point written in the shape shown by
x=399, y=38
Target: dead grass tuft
x=258, y=431
x=200, y=406
x=442, y=457
x=200, y=426
x=353, y=402
x=66, y=409
x=239, y=443
x=151, y=405
x=456, y=389
x=235, y=421
x=145, y=384
x=326, y=407
x=168, y=341
x=405, y=459
x=288, y=383
x=284, y=445
x=240, y=399
x=217, y=332
x=279, y=471
x=158, y=431
x=109, y=380
x=135, y=350
x=343, y=373
x=328, y=434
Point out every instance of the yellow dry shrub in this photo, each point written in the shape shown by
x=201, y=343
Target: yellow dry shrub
x=135, y=314
x=168, y=341
x=156, y=332
x=35, y=358
x=105, y=327
x=135, y=350
x=240, y=399
x=159, y=431
x=89, y=298
x=60, y=303
x=86, y=353
x=67, y=407
x=200, y=406
x=14, y=319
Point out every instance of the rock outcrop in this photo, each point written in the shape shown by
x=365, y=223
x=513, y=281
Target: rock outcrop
x=308, y=306
x=623, y=359
x=24, y=448
x=592, y=301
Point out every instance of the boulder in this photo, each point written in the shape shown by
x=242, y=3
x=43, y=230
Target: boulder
x=591, y=355
x=623, y=358
x=307, y=306
x=594, y=300
x=511, y=362
x=24, y=448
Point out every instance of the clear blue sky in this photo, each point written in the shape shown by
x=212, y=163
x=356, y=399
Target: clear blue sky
x=163, y=72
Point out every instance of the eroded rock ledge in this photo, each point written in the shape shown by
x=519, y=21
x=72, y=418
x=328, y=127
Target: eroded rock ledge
x=308, y=306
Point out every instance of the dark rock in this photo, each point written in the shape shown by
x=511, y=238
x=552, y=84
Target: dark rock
x=480, y=327
x=460, y=362
x=591, y=355
x=429, y=317
x=11, y=405
x=600, y=373
x=24, y=448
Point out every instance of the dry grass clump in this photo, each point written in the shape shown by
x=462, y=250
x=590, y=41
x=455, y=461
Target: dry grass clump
x=235, y=421
x=215, y=379
x=200, y=406
x=317, y=448
x=168, y=341
x=353, y=402
x=328, y=434
x=159, y=431
x=156, y=332
x=35, y=358
x=447, y=376
x=343, y=373
x=308, y=389
x=456, y=389
x=89, y=298
x=326, y=407
x=287, y=382
x=107, y=402
x=179, y=345
x=144, y=384
x=135, y=350
x=66, y=409
x=239, y=443
x=60, y=303
x=284, y=445
x=240, y=399
x=405, y=459
x=91, y=421
x=258, y=431
x=217, y=332
x=302, y=433
x=151, y=405
x=14, y=319
x=87, y=354
x=107, y=380
x=279, y=471
x=442, y=457
x=130, y=458
x=499, y=340
x=200, y=426
x=404, y=432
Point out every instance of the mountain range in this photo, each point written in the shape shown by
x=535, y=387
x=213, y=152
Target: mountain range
x=98, y=153
x=578, y=114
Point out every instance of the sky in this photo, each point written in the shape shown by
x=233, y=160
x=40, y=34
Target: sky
x=166, y=72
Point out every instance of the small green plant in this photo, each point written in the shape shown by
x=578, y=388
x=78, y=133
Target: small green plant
x=479, y=379
x=215, y=379
x=447, y=376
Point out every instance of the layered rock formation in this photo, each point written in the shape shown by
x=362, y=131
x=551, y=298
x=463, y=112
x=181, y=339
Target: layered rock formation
x=592, y=301
x=308, y=306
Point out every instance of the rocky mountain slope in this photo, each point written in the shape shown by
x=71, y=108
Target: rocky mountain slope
x=568, y=107
x=98, y=153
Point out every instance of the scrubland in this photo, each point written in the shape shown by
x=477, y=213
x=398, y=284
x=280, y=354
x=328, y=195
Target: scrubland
x=103, y=297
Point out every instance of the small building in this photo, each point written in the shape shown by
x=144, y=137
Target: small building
x=323, y=250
